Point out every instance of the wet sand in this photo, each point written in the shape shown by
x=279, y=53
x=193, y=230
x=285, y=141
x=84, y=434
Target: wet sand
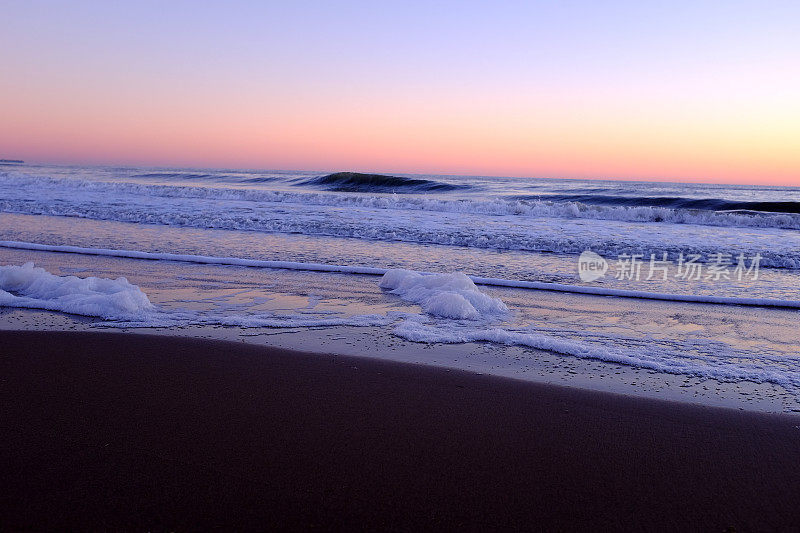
x=122, y=431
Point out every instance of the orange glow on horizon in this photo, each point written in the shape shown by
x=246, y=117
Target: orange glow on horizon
x=629, y=90
x=478, y=138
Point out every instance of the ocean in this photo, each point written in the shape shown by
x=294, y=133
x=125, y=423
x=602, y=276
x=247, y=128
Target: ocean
x=690, y=279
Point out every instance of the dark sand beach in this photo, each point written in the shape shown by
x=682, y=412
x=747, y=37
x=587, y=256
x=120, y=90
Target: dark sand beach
x=108, y=431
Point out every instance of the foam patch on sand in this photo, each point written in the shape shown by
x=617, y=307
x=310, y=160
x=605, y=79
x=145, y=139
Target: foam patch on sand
x=124, y=305
x=34, y=288
x=723, y=367
x=378, y=271
x=444, y=295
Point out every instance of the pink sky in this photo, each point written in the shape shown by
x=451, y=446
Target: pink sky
x=628, y=93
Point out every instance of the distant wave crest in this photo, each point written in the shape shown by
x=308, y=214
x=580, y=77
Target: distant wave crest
x=358, y=182
x=499, y=206
x=671, y=202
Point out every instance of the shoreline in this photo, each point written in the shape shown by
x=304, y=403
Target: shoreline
x=220, y=292
x=113, y=431
x=380, y=271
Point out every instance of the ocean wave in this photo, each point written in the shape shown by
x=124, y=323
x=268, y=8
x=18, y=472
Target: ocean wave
x=457, y=312
x=262, y=179
x=531, y=207
x=413, y=286
x=672, y=202
x=539, y=235
x=124, y=305
x=716, y=362
x=358, y=182
x=178, y=175
x=213, y=178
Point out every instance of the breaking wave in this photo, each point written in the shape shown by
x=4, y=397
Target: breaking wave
x=438, y=292
x=358, y=182
x=533, y=206
x=672, y=202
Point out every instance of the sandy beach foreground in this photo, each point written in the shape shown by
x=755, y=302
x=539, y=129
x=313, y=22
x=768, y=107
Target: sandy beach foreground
x=107, y=431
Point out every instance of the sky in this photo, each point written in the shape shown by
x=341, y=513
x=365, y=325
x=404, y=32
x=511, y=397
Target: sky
x=676, y=91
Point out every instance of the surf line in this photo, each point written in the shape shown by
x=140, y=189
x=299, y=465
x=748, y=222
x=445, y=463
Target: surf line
x=376, y=271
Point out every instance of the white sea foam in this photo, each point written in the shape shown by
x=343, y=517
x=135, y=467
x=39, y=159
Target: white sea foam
x=33, y=287
x=496, y=206
x=524, y=225
x=377, y=271
x=125, y=305
x=445, y=295
x=721, y=366
x=457, y=312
